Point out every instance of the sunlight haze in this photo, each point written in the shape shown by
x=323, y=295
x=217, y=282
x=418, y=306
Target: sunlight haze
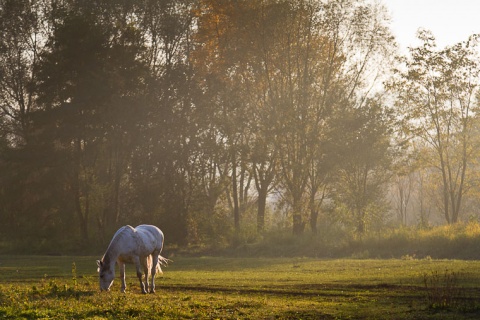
x=451, y=21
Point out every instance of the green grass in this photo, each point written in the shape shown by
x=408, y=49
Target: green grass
x=39, y=287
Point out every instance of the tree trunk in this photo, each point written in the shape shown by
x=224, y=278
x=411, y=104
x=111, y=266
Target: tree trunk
x=298, y=224
x=313, y=220
x=82, y=216
x=262, y=204
x=446, y=205
x=361, y=222
x=236, y=209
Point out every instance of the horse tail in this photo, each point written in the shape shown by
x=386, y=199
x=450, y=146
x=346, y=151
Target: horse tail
x=162, y=261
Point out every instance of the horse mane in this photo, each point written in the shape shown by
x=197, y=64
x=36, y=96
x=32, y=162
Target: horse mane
x=119, y=235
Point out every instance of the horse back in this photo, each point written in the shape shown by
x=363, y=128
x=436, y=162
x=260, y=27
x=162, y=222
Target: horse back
x=151, y=237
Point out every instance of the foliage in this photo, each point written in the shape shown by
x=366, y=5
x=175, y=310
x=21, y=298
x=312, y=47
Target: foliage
x=364, y=165
x=437, y=89
x=458, y=241
x=223, y=122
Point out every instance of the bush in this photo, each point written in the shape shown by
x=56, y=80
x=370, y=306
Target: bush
x=459, y=241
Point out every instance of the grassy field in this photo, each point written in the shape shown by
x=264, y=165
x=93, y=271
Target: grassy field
x=38, y=287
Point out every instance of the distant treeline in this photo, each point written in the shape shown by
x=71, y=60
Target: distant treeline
x=219, y=121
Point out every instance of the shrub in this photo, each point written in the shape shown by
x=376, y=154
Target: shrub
x=442, y=291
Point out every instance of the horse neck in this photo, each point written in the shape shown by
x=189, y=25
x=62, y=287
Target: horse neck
x=112, y=254
x=115, y=246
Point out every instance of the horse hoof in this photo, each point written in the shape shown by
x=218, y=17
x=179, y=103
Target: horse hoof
x=152, y=292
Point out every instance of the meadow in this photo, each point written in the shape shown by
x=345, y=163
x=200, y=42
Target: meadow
x=66, y=287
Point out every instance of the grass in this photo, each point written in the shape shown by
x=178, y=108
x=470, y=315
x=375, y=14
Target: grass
x=457, y=241
x=39, y=287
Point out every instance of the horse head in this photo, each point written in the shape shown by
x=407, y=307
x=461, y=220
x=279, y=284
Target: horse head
x=106, y=275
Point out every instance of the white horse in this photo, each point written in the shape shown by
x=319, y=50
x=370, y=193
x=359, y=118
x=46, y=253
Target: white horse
x=142, y=246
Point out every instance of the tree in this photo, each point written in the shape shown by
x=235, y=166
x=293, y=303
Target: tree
x=164, y=174
x=89, y=86
x=222, y=61
x=20, y=45
x=364, y=163
x=279, y=68
x=403, y=185
x=330, y=63
x=22, y=40
x=293, y=51
x=436, y=91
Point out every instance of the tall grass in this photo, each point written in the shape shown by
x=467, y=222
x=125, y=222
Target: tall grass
x=443, y=290
x=457, y=241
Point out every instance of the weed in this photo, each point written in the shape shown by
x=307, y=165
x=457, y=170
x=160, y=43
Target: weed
x=74, y=275
x=361, y=255
x=444, y=292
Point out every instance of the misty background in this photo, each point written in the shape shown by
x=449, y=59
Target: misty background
x=227, y=123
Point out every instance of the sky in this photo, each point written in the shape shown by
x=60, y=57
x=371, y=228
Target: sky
x=451, y=21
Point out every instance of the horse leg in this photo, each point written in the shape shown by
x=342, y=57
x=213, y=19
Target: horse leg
x=146, y=265
x=154, y=271
x=121, y=266
x=139, y=273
